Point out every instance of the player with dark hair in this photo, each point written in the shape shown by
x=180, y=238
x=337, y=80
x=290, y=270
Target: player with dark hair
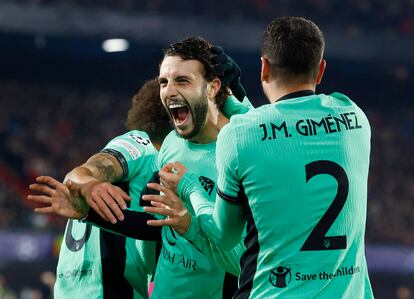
x=195, y=116
x=295, y=171
x=92, y=262
x=195, y=97
x=147, y=113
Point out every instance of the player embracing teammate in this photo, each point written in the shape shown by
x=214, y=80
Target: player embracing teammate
x=301, y=198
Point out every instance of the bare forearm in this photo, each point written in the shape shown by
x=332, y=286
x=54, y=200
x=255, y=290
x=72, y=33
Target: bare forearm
x=100, y=167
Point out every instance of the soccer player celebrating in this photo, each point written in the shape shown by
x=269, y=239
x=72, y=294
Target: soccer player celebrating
x=92, y=262
x=196, y=99
x=295, y=171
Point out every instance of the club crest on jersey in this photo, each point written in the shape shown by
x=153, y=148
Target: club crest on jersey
x=207, y=184
x=280, y=277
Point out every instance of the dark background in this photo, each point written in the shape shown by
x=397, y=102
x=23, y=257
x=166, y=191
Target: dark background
x=62, y=98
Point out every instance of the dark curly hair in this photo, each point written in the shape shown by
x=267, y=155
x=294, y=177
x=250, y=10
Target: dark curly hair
x=294, y=46
x=148, y=114
x=198, y=48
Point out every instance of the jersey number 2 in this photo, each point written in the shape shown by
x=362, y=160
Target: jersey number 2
x=317, y=239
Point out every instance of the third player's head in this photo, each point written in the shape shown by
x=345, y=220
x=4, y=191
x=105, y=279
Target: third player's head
x=147, y=114
x=292, y=53
x=189, y=88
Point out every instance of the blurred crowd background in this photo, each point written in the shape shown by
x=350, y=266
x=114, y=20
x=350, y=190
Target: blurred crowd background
x=63, y=97
x=396, y=16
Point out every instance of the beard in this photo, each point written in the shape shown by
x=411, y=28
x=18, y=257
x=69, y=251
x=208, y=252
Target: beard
x=199, y=115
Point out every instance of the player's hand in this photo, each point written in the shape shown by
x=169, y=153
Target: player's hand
x=228, y=71
x=171, y=174
x=59, y=199
x=169, y=205
x=106, y=199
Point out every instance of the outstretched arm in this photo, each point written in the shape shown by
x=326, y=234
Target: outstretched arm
x=62, y=200
x=90, y=184
x=89, y=178
x=59, y=199
x=68, y=200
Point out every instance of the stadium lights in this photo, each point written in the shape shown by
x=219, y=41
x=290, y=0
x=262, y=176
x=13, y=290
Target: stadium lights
x=115, y=45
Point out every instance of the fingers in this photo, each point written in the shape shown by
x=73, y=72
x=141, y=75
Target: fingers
x=45, y=210
x=167, y=176
x=169, y=198
x=108, y=201
x=42, y=188
x=120, y=196
x=106, y=205
x=167, y=168
x=222, y=68
x=216, y=50
x=95, y=207
x=161, y=222
x=74, y=187
x=219, y=59
x=159, y=205
x=158, y=198
x=181, y=169
x=102, y=206
x=48, y=180
x=156, y=187
x=40, y=198
x=113, y=206
x=161, y=211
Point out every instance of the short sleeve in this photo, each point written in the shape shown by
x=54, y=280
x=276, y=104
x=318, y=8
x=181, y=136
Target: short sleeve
x=130, y=150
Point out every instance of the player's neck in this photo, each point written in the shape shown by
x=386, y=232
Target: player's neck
x=277, y=91
x=214, y=123
x=156, y=144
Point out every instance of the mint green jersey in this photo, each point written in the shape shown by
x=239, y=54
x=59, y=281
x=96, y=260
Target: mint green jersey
x=300, y=167
x=94, y=263
x=190, y=269
x=183, y=271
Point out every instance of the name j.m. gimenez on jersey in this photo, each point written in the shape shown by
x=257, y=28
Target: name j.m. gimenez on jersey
x=311, y=127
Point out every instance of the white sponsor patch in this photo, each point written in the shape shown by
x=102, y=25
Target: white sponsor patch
x=133, y=151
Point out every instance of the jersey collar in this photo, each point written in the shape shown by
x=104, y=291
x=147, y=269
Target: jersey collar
x=297, y=94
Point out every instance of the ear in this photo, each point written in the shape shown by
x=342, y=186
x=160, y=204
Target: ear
x=265, y=73
x=321, y=71
x=213, y=88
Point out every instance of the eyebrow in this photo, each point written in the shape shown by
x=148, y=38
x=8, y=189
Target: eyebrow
x=182, y=77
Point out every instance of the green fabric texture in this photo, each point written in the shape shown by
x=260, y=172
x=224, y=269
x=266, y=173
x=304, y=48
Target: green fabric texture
x=79, y=271
x=303, y=164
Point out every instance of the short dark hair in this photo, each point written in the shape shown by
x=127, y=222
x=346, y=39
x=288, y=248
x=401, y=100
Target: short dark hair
x=198, y=48
x=147, y=112
x=294, y=46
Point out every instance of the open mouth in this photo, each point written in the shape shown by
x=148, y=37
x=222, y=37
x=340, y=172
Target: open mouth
x=180, y=112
